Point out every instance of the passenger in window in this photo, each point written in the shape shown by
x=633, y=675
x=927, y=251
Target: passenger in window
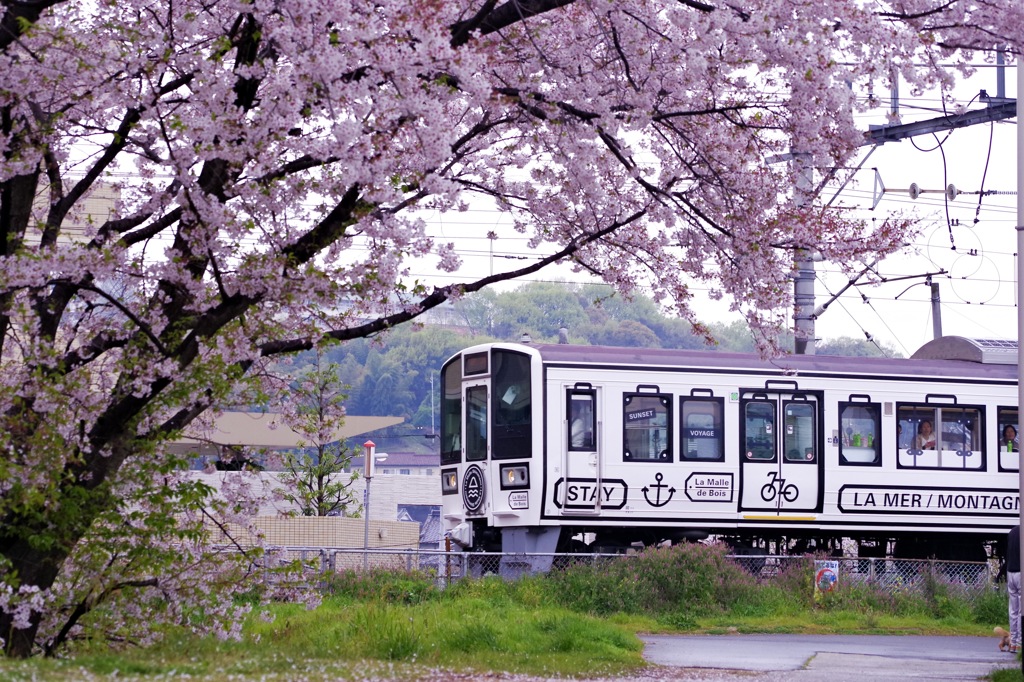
x=925, y=438
x=1009, y=439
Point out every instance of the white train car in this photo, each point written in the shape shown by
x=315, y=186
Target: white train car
x=549, y=448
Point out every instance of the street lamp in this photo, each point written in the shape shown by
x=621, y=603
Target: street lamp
x=371, y=456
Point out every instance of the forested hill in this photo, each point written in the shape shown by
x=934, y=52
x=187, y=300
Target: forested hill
x=393, y=375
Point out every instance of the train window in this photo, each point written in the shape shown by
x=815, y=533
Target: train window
x=582, y=419
x=511, y=432
x=451, y=413
x=701, y=429
x=916, y=434
x=1009, y=441
x=476, y=423
x=859, y=427
x=476, y=363
x=759, y=431
x=647, y=428
x=798, y=439
x=940, y=437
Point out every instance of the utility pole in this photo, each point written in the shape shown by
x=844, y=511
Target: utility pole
x=803, y=283
x=997, y=108
x=936, y=310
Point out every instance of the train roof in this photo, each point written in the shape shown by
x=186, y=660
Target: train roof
x=956, y=357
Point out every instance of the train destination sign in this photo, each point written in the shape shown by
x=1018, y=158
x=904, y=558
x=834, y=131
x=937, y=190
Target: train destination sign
x=583, y=493
x=872, y=499
x=709, y=487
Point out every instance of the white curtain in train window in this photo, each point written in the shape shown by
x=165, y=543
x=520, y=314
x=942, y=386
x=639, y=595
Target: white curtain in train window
x=582, y=423
x=702, y=429
x=647, y=430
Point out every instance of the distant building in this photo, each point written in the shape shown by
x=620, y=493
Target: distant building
x=406, y=486
x=428, y=516
x=405, y=464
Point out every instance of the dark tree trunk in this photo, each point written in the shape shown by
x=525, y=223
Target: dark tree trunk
x=33, y=567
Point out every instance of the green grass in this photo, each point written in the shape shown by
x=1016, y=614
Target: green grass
x=337, y=639
x=582, y=621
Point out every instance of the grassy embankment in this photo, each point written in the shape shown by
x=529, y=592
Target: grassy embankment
x=580, y=621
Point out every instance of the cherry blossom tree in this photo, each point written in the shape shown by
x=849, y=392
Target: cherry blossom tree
x=271, y=162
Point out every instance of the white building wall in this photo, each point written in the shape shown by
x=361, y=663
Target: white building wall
x=386, y=491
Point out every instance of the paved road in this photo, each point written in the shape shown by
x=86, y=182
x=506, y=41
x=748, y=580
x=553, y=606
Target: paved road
x=823, y=658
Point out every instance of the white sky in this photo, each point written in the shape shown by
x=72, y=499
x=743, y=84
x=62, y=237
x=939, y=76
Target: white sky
x=978, y=290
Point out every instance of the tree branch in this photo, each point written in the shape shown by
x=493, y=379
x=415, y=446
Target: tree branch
x=495, y=19
x=19, y=16
x=440, y=295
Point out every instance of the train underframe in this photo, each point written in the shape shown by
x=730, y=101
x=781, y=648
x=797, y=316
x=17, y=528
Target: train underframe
x=945, y=546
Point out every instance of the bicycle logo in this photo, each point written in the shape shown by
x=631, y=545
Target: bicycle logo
x=777, y=486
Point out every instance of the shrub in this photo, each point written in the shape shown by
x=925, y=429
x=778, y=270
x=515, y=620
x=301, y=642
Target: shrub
x=684, y=579
x=989, y=606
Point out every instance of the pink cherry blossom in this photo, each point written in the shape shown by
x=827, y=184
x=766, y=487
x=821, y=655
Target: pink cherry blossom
x=189, y=189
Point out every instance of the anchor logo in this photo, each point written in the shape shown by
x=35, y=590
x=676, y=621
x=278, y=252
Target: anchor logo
x=656, y=502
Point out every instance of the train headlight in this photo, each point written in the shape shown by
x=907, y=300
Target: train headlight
x=515, y=476
x=449, y=482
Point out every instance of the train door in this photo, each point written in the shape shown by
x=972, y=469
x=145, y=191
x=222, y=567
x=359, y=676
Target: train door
x=579, y=491
x=780, y=458
x=477, y=432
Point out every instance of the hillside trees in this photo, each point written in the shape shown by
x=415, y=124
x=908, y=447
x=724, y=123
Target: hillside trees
x=415, y=353
x=272, y=162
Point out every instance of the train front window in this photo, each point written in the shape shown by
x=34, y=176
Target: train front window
x=647, y=428
x=451, y=413
x=702, y=429
x=511, y=436
x=859, y=426
x=759, y=431
x=476, y=423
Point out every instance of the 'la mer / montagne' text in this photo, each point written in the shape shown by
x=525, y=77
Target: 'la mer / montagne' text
x=872, y=499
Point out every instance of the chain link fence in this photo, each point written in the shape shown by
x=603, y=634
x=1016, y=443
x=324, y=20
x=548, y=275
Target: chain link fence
x=891, y=575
